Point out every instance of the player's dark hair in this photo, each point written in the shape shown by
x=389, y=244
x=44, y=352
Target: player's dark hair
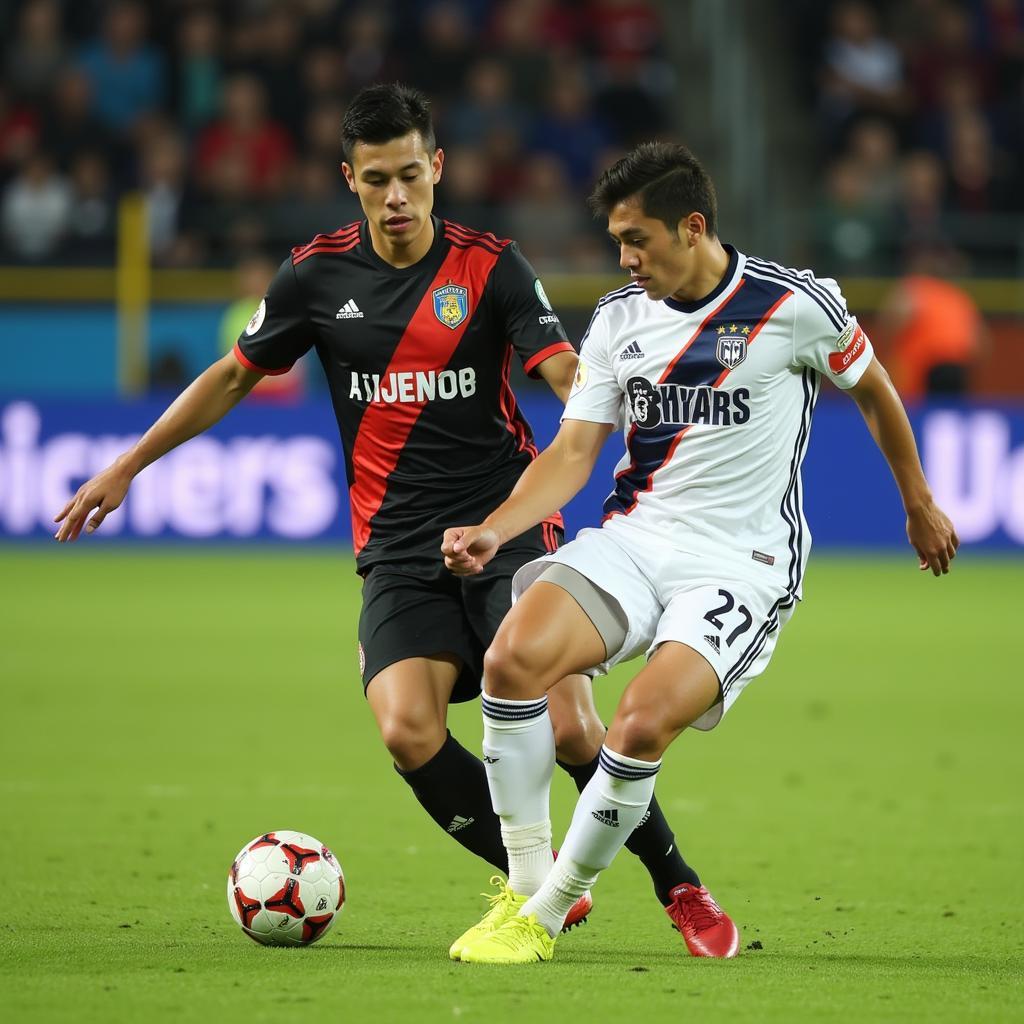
x=668, y=180
x=380, y=113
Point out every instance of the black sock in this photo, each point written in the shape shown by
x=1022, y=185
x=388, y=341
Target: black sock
x=652, y=841
x=452, y=787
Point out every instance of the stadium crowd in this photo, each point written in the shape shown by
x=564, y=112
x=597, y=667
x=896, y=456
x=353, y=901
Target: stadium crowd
x=226, y=116
x=920, y=111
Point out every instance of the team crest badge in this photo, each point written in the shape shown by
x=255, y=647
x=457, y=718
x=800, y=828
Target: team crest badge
x=732, y=350
x=451, y=304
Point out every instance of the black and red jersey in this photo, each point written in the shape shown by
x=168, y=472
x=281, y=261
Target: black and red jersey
x=418, y=361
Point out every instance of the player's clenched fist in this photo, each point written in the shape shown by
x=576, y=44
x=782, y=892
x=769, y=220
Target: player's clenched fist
x=467, y=549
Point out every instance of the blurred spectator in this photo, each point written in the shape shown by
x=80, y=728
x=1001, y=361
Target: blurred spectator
x=487, y=104
x=519, y=35
x=977, y=180
x=93, y=215
x=959, y=95
x=127, y=74
x=932, y=329
x=318, y=201
x=921, y=220
x=168, y=373
x=227, y=116
x=444, y=50
x=70, y=124
x=463, y=192
x=948, y=49
x=874, y=148
x=35, y=209
x=364, y=43
x=633, y=78
x=244, y=155
x=322, y=136
x=850, y=225
x=863, y=72
x=323, y=76
x=545, y=218
x=253, y=275
x=569, y=129
x=633, y=111
x=198, y=70
x=503, y=151
x=162, y=179
x=37, y=51
x=19, y=131
x=626, y=33
x=275, y=60
x=999, y=31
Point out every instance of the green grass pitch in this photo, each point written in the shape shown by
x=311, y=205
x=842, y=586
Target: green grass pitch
x=859, y=813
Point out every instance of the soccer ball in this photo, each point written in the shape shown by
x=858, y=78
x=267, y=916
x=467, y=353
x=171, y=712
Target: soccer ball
x=285, y=889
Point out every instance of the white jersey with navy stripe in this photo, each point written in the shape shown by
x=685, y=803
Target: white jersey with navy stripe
x=716, y=397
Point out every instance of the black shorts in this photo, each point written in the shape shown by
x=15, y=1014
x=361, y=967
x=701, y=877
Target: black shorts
x=407, y=615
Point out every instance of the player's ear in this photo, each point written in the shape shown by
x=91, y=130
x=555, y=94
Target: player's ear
x=350, y=176
x=436, y=164
x=692, y=228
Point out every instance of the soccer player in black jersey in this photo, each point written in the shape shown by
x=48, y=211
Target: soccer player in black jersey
x=415, y=320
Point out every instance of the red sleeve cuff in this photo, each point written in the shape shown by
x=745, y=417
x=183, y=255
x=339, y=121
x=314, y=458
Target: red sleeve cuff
x=250, y=365
x=537, y=358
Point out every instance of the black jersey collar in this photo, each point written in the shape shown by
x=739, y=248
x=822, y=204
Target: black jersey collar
x=366, y=242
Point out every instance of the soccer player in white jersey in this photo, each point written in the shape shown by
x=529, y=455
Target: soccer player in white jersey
x=712, y=360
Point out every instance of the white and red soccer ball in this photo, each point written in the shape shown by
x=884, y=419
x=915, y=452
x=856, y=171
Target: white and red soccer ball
x=285, y=889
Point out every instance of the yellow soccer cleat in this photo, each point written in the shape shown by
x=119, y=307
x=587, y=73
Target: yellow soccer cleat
x=520, y=940
x=504, y=904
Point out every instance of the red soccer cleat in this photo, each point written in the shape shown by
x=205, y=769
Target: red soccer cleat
x=706, y=929
x=578, y=912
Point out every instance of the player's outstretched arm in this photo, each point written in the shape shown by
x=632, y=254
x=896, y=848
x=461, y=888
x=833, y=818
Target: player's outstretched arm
x=549, y=482
x=205, y=401
x=929, y=529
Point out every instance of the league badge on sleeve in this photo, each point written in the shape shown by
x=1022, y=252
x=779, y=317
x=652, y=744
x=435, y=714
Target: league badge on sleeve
x=580, y=380
x=451, y=304
x=257, y=318
x=850, y=349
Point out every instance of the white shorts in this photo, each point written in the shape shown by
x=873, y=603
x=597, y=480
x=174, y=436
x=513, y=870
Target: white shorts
x=732, y=619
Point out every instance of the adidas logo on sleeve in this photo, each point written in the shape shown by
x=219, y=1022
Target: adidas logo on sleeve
x=349, y=311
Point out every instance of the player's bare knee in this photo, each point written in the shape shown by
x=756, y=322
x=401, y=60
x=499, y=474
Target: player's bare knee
x=512, y=670
x=578, y=735
x=410, y=741
x=638, y=734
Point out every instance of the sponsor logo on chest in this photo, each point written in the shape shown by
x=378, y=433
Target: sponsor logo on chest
x=653, y=405
x=413, y=386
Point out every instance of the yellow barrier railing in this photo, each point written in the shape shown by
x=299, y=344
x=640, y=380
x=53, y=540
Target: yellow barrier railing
x=995, y=296
x=133, y=286
x=133, y=295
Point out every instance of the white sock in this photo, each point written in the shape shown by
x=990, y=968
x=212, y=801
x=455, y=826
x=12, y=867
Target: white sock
x=519, y=755
x=608, y=810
